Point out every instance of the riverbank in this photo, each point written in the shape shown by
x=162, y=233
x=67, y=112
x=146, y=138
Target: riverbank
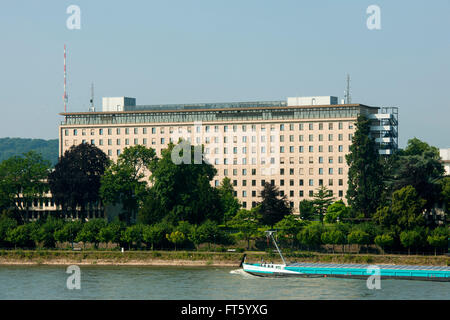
x=194, y=258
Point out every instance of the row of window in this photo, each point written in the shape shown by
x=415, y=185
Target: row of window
x=234, y=128
x=301, y=193
x=253, y=139
x=301, y=171
x=281, y=182
x=254, y=203
x=235, y=150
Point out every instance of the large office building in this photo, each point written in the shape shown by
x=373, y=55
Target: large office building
x=297, y=144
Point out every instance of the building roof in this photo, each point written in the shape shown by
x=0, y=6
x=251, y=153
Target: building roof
x=213, y=107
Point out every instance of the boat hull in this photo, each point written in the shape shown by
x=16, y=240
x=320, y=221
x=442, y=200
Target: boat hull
x=310, y=270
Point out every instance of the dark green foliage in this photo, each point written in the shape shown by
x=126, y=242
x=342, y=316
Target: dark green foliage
x=322, y=200
x=90, y=231
x=10, y=147
x=311, y=235
x=68, y=232
x=124, y=181
x=421, y=171
x=75, y=182
x=439, y=238
x=384, y=240
x=273, y=207
x=151, y=211
x=404, y=213
x=230, y=204
x=337, y=210
x=21, y=236
x=44, y=231
x=112, y=232
x=23, y=177
x=334, y=237
x=133, y=234
x=6, y=224
x=307, y=210
x=359, y=237
x=365, y=173
x=155, y=234
x=410, y=239
x=246, y=221
x=288, y=228
x=184, y=191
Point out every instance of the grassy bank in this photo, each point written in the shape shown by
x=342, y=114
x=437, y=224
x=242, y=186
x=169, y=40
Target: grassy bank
x=193, y=258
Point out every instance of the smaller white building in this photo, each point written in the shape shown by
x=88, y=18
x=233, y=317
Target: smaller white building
x=445, y=156
x=312, y=101
x=113, y=104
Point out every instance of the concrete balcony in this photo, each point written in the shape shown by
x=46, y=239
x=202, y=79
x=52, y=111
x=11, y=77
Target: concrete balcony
x=385, y=151
x=381, y=128
x=384, y=140
x=380, y=116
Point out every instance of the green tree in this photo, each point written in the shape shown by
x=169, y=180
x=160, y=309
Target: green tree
x=183, y=190
x=125, y=183
x=273, y=207
x=246, y=221
x=384, y=240
x=151, y=211
x=311, y=235
x=6, y=224
x=322, y=199
x=75, y=181
x=417, y=147
x=90, y=232
x=358, y=237
x=405, y=212
x=112, y=232
x=209, y=232
x=176, y=237
x=410, y=239
x=334, y=237
x=230, y=204
x=68, y=232
x=307, y=210
x=23, y=177
x=196, y=236
x=289, y=227
x=45, y=232
x=335, y=211
x=365, y=173
x=418, y=166
x=155, y=234
x=133, y=234
x=20, y=236
x=438, y=238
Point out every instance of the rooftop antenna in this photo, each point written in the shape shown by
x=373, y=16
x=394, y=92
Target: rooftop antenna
x=348, y=97
x=92, y=108
x=65, y=97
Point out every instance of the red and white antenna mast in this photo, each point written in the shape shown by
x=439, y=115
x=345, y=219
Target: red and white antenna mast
x=65, y=97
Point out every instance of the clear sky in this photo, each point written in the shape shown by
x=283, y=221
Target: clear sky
x=187, y=51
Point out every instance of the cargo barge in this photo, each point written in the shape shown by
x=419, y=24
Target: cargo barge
x=358, y=271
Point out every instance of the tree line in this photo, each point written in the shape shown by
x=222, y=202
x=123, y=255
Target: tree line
x=391, y=201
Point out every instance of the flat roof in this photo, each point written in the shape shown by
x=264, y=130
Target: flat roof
x=200, y=109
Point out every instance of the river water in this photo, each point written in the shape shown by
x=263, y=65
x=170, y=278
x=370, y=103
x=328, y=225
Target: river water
x=197, y=283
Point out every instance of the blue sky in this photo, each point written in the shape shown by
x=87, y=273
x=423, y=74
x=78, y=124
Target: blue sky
x=186, y=51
